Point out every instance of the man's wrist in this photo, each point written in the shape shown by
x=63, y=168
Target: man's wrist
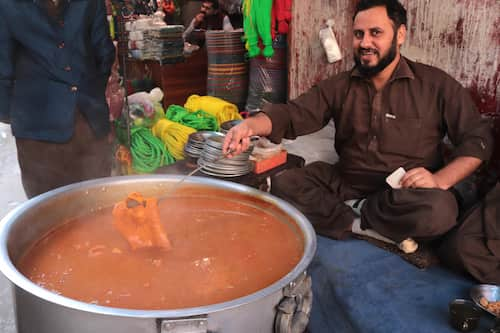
x=262, y=122
x=441, y=183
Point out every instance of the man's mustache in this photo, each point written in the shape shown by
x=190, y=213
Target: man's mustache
x=366, y=50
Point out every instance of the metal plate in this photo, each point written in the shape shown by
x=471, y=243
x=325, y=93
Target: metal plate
x=215, y=174
x=226, y=126
x=202, y=136
x=221, y=172
x=489, y=291
x=196, y=142
x=212, y=162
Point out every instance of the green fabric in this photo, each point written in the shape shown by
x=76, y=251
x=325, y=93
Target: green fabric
x=262, y=11
x=199, y=120
x=250, y=28
x=257, y=23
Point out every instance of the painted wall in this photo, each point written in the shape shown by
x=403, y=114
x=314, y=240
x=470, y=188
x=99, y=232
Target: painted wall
x=459, y=36
x=307, y=60
x=462, y=38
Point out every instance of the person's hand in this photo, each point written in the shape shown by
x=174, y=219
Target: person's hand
x=419, y=178
x=199, y=18
x=237, y=140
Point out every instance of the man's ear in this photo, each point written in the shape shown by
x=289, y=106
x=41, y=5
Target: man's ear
x=401, y=34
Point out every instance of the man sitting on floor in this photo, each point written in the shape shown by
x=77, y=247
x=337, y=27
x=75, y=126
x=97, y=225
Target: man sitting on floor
x=389, y=112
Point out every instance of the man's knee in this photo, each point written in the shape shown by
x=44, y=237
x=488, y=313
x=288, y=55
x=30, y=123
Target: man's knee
x=442, y=213
x=286, y=182
x=305, y=180
x=418, y=213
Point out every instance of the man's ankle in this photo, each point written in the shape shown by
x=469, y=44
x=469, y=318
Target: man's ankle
x=408, y=245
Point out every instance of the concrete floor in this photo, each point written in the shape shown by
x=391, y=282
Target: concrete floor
x=11, y=195
x=317, y=146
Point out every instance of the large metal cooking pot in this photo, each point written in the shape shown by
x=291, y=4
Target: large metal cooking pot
x=281, y=307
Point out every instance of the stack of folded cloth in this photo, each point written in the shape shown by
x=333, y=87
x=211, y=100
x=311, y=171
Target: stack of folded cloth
x=150, y=40
x=165, y=44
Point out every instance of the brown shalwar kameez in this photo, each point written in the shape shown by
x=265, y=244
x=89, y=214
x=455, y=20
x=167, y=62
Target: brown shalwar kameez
x=376, y=132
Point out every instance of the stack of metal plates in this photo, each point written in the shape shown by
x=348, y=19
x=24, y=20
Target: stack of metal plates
x=212, y=161
x=195, y=143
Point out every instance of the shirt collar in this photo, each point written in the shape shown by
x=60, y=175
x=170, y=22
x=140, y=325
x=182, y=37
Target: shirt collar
x=402, y=71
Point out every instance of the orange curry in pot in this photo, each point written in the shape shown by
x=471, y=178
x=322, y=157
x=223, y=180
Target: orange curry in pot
x=219, y=247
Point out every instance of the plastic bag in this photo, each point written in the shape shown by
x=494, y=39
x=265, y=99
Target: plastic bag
x=145, y=108
x=268, y=78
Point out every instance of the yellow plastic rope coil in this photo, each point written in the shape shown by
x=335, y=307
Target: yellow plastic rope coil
x=173, y=135
x=222, y=110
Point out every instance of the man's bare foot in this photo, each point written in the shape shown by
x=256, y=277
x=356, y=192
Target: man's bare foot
x=408, y=246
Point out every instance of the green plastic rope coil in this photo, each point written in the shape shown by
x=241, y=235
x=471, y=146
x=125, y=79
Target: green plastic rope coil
x=148, y=152
x=199, y=120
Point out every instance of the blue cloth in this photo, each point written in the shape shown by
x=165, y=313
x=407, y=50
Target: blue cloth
x=358, y=287
x=50, y=66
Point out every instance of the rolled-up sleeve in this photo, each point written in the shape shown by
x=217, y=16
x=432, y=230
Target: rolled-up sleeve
x=470, y=133
x=7, y=50
x=306, y=114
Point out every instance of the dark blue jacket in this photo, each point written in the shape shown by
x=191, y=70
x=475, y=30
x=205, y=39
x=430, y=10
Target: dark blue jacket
x=51, y=66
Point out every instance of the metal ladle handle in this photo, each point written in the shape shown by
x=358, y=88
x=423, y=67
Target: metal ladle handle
x=176, y=185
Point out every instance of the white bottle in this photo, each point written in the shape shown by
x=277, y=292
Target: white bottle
x=329, y=42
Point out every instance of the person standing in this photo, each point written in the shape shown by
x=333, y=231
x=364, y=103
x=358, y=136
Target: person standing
x=55, y=60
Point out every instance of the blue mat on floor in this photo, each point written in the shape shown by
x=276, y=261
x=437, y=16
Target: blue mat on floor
x=358, y=287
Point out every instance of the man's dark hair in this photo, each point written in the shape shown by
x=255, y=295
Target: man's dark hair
x=395, y=10
x=215, y=3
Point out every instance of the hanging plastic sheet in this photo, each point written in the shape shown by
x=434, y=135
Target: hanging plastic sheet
x=268, y=77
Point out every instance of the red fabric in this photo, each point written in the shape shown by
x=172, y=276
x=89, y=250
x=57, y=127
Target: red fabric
x=282, y=14
x=273, y=21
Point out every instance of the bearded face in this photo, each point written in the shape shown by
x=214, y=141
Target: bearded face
x=370, y=61
x=375, y=40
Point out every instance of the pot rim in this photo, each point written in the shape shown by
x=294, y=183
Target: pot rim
x=19, y=280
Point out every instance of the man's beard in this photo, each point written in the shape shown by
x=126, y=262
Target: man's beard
x=370, y=71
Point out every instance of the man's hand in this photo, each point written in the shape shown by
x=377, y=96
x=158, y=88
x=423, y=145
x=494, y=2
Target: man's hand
x=199, y=18
x=443, y=179
x=238, y=138
x=419, y=178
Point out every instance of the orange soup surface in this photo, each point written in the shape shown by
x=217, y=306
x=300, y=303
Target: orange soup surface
x=222, y=248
